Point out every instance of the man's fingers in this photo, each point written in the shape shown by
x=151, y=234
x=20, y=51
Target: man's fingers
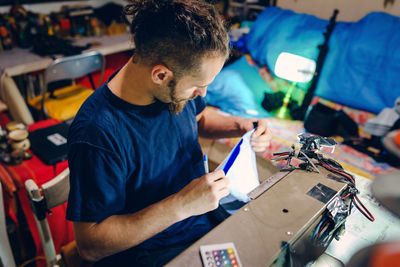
x=224, y=192
x=215, y=175
x=261, y=140
x=261, y=137
x=220, y=184
x=259, y=131
x=262, y=126
x=258, y=148
x=260, y=143
x=217, y=180
x=217, y=183
x=224, y=182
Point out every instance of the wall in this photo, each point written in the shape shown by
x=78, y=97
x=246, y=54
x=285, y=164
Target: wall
x=56, y=5
x=349, y=10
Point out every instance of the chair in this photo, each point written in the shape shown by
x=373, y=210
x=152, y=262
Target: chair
x=63, y=103
x=51, y=194
x=6, y=255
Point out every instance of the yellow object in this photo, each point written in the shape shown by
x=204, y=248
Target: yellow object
x=283, y=111
x=66, y=103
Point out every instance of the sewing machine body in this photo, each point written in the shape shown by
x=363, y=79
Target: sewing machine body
x=281, y=218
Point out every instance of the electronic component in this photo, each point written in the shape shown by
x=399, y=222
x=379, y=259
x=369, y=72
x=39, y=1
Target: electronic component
x=220, y=255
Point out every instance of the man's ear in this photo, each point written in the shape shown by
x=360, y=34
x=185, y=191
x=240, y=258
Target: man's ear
x=160, y=74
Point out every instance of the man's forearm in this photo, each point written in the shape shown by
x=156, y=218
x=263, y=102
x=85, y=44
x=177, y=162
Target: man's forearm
x=213, y=124
x=120, y=232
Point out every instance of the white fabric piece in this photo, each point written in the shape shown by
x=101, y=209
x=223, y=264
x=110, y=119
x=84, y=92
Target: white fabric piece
x=382, y=123
x=243, y=173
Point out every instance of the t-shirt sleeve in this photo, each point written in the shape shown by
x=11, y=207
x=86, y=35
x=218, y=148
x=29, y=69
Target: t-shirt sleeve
x=200, y=104
x=97, y=183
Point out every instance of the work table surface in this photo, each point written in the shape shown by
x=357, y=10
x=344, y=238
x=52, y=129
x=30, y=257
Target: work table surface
x=20, y=61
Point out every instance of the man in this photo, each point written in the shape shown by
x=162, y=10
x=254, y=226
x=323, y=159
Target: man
x=139, y=194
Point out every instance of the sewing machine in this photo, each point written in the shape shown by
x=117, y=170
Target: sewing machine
x=284, y=222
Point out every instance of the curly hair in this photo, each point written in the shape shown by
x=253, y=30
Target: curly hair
x=176, y=33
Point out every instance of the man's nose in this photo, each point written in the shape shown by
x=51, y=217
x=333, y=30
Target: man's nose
x=201, y=91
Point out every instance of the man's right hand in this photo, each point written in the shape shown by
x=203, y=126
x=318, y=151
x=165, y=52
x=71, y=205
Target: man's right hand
x=116, y=233
x=203, y=194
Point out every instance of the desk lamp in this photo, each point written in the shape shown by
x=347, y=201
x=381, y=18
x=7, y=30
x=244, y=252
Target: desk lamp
x=294, y=69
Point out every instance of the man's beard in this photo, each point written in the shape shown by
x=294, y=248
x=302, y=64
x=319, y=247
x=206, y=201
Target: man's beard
x=176, y=105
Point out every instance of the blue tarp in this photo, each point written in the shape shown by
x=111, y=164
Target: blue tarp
x=239, y=90
x=363, y=63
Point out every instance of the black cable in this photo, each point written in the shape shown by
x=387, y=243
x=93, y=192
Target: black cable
x=367, y=213
x=353, y=190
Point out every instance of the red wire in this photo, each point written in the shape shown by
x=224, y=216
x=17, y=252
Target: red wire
x=366, y=213
x=346, y=196
x=320, y=229
x=281, y=154
x=332, y=169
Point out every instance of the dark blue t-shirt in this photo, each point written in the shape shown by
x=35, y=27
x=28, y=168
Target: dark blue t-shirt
x=123, y=158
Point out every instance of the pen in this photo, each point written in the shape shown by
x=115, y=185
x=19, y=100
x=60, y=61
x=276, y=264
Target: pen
x=205, y=161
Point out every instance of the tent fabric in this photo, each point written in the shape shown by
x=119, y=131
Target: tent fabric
x=362, y=63
x=238, y=90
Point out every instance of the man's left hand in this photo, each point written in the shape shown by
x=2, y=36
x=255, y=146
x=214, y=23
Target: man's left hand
x=261, y=137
